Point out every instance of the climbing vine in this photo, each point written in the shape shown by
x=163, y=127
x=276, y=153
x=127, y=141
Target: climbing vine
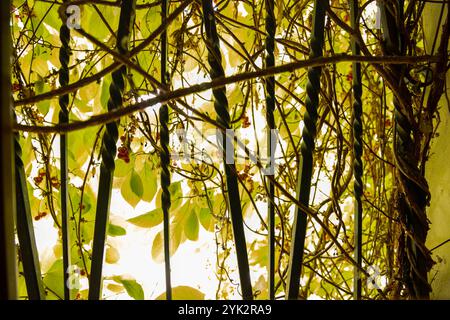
x=118, y=108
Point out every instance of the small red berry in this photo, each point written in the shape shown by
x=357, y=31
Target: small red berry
x=16, y=87
x=37, y=180
x=350, y=76
x=388, y=122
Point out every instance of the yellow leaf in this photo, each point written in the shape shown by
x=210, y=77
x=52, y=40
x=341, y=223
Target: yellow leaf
x=112, y=255
x=184, y=293
x=115, y=288
x=158, y=242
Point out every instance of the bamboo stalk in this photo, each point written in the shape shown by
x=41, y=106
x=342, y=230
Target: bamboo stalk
x=307, y=148
x=8, y=267
x=165, y=154
x=225, y=141
x=270, y=107
x=357, y=152
x=108, y=153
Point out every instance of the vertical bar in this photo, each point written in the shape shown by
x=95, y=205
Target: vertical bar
x=165, y=153
x=25, y=230
x=307, y=148
x=8, y=268
x=357, y=154
x=270, y=107
x=64, y=73
x=108, y=153
x=223, y=118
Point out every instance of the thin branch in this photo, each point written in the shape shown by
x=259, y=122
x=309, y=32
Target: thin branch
x=217, y=83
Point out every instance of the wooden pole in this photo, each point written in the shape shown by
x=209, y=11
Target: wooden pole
x=8, y=268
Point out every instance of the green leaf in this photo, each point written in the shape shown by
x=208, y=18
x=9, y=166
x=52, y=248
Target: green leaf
x=176, y=195
x=122, y=168
x=39, y=85
x=150, y=178
x=79, y=148
x=149, y=219
x=191, y=227
x=104, y=95
x=206, y=219
x=51, y=11
x=259, y=256
x=184, y=293
x=132, y=189
x=153, y=18
x=40, y=66
x=86, y=94
x=136, y=184
x=96, y=27
x=54, y=281
x=133, y=289
x=236, y=96
x=21, y=287
x=44, y=107
x=115, y=231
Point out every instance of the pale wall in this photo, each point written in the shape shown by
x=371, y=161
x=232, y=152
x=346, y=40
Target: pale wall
x=438, y=175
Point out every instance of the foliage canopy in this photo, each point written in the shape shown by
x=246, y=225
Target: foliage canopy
x=199, y=216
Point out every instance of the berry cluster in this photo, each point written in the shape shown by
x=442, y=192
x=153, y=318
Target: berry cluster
x=246, y=121
x=122, y=153
x=40, y=215
x=40, y=177
x=247, y=178
x=54, y=180
x=25, y=12
x=16, y=87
